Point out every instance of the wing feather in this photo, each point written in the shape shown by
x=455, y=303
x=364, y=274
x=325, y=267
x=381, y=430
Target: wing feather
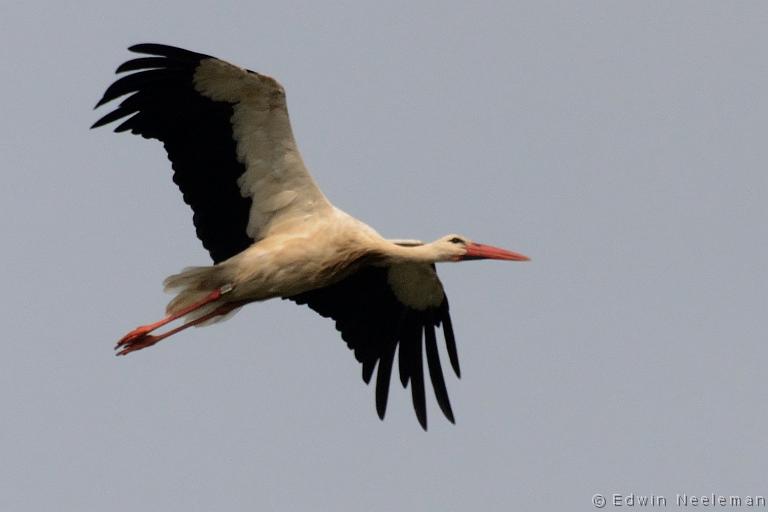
x=417, y=386
x=375, y=324
x=450, y=339
x=436, y=371
x=383, y=377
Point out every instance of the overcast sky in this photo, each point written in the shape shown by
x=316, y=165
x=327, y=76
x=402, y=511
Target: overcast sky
x=622, y=145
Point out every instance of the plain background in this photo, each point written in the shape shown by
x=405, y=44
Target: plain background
x=622, y=145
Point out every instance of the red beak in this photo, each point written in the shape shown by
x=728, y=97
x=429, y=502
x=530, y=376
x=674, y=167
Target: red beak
x=489, y=252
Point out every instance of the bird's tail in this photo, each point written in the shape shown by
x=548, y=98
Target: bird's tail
x=193, y=285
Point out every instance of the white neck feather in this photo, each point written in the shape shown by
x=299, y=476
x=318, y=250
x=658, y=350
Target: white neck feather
x=426, y=253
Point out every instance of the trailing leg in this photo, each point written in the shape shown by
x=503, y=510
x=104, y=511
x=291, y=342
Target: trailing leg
x=139, y=338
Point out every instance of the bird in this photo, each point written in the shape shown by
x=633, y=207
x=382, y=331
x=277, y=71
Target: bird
x=272, y=233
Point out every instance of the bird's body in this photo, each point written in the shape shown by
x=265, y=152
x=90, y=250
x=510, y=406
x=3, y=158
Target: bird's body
x=270, y=230
x=288, y=262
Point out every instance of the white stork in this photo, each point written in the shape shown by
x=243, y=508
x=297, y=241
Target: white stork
x=270, y=230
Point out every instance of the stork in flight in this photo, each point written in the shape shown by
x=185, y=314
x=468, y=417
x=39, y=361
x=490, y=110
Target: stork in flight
x=270, y=230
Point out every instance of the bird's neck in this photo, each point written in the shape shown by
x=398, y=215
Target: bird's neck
x=410, y=254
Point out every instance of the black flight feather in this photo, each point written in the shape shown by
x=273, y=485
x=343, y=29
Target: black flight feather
x=375, y=325
x=197, y=134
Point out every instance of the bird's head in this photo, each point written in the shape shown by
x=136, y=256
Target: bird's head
x=460, y=248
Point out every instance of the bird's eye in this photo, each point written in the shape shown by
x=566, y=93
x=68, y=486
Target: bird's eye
x=456, y=240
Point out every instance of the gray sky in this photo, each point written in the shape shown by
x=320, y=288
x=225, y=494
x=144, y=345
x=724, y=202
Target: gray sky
x=620, y=144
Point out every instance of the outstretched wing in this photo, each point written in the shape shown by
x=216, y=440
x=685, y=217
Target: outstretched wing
x=379, y=310
x=229, y=139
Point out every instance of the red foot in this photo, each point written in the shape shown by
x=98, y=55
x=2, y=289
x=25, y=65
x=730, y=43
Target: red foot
x=137, y=342
x=132, y=336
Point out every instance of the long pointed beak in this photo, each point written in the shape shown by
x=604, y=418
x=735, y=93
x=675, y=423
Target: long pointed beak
x=489, y=252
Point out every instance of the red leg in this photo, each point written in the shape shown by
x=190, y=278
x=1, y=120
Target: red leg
x=143, y=330
x=147, y=340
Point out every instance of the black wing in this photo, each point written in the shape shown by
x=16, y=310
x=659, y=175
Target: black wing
x=197, y=134
x=374, y=323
